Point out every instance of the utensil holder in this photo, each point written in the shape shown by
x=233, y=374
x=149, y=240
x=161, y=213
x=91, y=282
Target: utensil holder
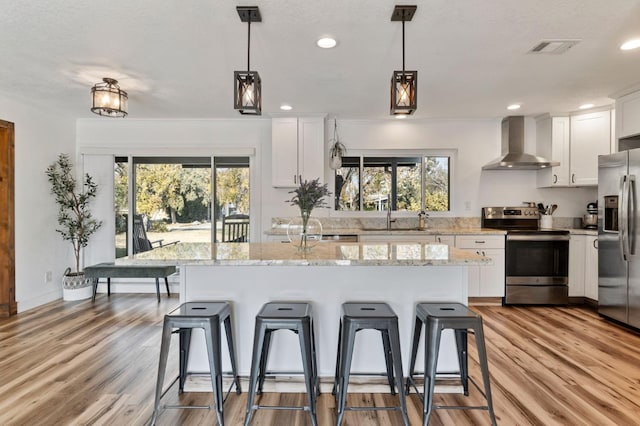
x=546, y=221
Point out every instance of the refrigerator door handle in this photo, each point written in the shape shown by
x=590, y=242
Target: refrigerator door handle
x=622, y=216
x=631, y=227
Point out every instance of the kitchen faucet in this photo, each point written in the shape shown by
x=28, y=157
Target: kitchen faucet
x=389, y=220
x=422, y=219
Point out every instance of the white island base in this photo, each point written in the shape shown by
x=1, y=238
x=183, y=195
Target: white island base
x=326, y=288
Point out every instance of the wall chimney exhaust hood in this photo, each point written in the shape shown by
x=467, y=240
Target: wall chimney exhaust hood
x=513, y=156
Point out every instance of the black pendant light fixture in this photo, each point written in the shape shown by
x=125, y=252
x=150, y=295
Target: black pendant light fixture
x=247, y=85
x=404, y=84
x=108, y=99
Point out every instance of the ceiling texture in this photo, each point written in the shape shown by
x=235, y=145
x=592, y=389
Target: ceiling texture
x=176, y=58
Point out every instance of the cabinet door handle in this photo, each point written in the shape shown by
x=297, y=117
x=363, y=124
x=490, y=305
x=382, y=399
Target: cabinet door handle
x=555, y=178
x=480, y=242
x=595, y=244
x=294, y=179
x=483, y=253
x=439, y=240
x=573, y=178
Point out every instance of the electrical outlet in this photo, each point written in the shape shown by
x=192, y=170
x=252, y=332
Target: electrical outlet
x=48, y=276
x=467, y=205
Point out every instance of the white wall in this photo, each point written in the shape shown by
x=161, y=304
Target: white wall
x=40, y=135
x=477, y=142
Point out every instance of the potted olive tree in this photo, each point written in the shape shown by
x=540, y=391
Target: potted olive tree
x=75, y=221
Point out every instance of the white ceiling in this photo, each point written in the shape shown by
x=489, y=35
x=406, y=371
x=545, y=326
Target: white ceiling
x=176, y=57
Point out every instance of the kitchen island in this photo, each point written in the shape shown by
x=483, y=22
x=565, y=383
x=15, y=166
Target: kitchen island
x=251, y=274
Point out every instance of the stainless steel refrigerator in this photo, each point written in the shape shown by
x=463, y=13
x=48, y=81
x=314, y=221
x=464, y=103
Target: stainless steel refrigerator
x=618, y=232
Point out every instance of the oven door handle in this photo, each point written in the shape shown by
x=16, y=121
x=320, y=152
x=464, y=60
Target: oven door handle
x=538, y=237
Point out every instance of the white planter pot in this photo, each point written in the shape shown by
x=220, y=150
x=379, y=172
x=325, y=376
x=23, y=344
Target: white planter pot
x=76, y=287
x=80, y=293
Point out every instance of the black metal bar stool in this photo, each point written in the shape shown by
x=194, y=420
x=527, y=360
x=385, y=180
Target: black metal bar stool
x=297, y=317
x=361, y=316
x=209, y=316
x=437, y=317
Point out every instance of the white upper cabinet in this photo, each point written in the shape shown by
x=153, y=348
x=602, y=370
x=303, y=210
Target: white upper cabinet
x=590, y=137
x=628, y=115
x=575, y=142
x=552, y=142
x=297, y=149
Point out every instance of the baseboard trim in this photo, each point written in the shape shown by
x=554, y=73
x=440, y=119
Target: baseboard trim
x=485, y=301
x=583, y=301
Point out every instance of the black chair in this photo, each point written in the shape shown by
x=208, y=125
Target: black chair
x=140, y=241
x=235, y=228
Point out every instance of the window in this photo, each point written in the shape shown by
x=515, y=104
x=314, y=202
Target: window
x=411, y=183
x=172, y=199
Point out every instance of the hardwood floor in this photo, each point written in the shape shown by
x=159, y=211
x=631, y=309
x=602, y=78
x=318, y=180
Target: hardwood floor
x=79, y=363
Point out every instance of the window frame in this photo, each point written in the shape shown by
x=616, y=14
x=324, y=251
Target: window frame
x=383, y=153
x=142, y=156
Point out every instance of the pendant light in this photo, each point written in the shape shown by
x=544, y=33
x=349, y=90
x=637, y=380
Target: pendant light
x=109, y=99
x=247, y=85
x=404, y=84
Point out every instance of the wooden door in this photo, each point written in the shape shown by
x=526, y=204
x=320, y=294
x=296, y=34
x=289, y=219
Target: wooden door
x=8, y=304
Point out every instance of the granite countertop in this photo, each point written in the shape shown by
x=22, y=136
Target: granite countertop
x=396, y=231
x=323, y=254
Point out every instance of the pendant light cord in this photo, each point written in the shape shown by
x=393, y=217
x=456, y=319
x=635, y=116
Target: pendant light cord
x=403, y=44
x=249, y=43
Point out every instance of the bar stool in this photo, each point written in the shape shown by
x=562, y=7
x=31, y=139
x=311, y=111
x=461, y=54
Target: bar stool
x=437, y=317
x=297, y=317
x=361, y=316
x=208, y=316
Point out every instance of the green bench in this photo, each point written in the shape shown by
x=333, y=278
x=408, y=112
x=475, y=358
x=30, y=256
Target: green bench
x=111, y=270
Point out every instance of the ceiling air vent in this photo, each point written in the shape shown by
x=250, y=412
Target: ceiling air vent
x=553, y=47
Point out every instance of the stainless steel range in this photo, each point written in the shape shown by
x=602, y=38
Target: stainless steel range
x=537, y=260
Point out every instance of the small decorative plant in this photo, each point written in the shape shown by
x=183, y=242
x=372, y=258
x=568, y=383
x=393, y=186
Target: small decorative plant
x=309, y=195
x=74, y=217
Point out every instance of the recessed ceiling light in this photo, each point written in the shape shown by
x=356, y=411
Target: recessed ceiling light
x=631, y=44
x=327, y=42
x=286, y=107
x=513, y=107
x=400, y=116
x=586, y=106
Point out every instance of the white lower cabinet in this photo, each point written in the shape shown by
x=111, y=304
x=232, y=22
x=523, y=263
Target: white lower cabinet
x=449, y=240
x=583, y=266
x=591, y=269
x=486, y=280
x=577, y=265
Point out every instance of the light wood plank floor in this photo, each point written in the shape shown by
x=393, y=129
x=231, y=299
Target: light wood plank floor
x=79, y=363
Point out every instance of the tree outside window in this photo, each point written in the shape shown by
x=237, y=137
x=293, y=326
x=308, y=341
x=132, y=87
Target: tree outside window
x=405, y=183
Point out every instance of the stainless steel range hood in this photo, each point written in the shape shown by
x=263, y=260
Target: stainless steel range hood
x=513, y=156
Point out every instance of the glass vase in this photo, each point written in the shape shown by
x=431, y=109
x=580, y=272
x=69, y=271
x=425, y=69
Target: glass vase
x=304, y=232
